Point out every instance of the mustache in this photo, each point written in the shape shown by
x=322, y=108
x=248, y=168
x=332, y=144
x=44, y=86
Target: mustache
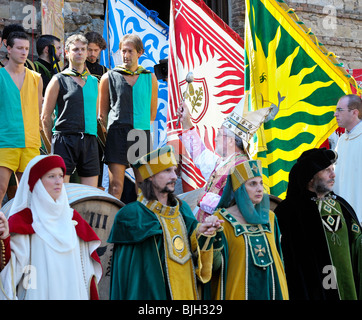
x=166, y=189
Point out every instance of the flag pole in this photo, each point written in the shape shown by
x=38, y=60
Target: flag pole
x=108, y=46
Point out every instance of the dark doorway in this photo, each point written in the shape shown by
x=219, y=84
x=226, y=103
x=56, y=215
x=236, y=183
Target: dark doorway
x=162, y=7
x=220, y=7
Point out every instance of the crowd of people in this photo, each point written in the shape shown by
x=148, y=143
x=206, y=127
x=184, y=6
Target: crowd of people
x=232, y=246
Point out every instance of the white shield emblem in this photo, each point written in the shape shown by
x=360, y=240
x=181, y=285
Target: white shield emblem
x=197, y=97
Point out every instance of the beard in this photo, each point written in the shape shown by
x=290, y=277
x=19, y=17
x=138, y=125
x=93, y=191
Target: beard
x=169, y=187
x=92, y=59
x=321, y=187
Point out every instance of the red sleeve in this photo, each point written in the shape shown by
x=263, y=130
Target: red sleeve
x=18, y=223
x=21, y=222
x=86, y=233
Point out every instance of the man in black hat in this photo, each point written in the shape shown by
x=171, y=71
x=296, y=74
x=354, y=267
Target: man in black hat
x=321, y=234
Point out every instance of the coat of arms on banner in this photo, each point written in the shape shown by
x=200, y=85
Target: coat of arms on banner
x=201, y=43
x=197, y=97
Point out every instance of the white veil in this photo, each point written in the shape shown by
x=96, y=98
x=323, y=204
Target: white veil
x=52, y=220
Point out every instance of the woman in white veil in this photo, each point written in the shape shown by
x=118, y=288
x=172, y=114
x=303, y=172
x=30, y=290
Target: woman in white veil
x=50, y=253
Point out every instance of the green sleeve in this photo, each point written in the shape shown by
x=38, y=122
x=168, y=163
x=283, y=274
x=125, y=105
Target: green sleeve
x=356, y=258
x=136, y=272
x=189, y=218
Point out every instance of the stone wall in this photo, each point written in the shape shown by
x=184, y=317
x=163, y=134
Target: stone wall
x=336, y=23
x=79, y=16
x=83, y=16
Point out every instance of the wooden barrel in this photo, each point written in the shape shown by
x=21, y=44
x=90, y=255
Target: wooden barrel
x=98, y=208
x=274, y=201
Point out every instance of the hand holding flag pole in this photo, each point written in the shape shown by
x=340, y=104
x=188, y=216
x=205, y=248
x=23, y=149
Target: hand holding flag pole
x=189, y=79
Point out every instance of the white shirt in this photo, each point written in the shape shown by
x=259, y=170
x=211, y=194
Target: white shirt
x=348, y=181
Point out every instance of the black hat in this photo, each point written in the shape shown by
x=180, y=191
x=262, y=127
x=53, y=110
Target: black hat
x=308, y=164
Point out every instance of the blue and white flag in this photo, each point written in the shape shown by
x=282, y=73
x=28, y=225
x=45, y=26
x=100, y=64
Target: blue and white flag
x=124, y=17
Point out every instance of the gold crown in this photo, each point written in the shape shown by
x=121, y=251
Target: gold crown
x=156, y=161
x=245, y=171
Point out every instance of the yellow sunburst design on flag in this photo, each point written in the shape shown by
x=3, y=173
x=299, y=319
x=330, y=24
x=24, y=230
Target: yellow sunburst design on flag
x=286, y=68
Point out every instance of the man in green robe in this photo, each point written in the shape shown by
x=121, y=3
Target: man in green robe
x=160, y=249
x=321, y=235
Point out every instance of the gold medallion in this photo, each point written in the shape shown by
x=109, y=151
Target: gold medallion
x=178, y=243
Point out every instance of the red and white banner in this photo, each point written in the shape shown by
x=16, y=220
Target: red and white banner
x=357, y=75
x=201, y=43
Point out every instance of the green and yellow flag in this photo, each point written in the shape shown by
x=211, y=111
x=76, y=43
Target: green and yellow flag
x=285, y=65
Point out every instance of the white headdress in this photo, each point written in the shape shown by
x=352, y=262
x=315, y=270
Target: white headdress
x=52, y=220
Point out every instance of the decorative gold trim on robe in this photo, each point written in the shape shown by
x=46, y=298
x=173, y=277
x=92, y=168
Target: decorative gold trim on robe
x=179, y=267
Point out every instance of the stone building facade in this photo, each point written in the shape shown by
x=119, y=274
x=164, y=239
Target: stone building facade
x=336, y=23
x=79, y=16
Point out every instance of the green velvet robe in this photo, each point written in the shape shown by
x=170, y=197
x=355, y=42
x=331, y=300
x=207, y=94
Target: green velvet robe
x=138, y=269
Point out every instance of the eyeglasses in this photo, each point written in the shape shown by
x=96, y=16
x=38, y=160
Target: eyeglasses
x=340, y=110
